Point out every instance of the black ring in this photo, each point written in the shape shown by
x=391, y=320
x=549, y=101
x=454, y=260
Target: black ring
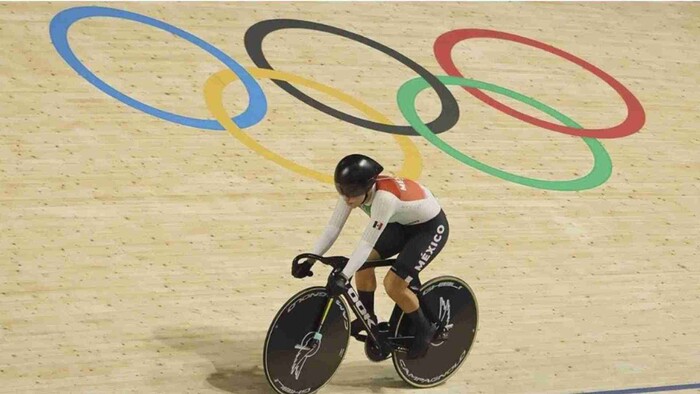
x=253, y=43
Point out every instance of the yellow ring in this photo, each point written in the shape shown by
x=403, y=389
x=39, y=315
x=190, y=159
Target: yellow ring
x=213, y=95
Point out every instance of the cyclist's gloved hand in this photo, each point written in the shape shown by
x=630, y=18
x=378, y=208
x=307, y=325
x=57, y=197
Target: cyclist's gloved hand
x=337, y=283
x=303, y=270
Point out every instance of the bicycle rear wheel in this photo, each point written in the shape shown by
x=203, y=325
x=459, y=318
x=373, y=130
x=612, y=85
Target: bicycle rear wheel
x=449, y=301
x=293, y=361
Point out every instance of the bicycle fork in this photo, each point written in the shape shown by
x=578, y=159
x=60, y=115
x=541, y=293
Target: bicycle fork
x=317, y=334
x=360, y=311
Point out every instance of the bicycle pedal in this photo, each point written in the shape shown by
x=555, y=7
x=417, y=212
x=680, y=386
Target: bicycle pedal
x=383, y=327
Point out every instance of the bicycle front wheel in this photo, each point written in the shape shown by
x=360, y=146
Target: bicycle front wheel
x=294, y=360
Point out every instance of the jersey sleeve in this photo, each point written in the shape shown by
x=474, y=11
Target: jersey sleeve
x=383, y=208
x=332, y=231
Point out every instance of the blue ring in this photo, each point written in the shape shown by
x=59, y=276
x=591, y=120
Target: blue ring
x=257, y=104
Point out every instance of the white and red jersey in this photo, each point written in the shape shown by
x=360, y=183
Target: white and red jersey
x=391, y=200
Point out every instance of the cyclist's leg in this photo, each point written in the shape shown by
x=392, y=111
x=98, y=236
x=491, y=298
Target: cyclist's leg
x=366, y=284
x=389, y=244
x=424, y=243
x=365, y=280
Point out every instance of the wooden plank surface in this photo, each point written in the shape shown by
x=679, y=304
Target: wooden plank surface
x=139, y=255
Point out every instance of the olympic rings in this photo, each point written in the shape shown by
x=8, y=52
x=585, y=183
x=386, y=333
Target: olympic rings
x=257, y=104
x=215, y=85
x=635, y=112
x=412, y=166
x=602, y=167
x=255, y=35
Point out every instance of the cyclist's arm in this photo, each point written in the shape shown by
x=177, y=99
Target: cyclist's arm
x=383, y=208
x=332, y=231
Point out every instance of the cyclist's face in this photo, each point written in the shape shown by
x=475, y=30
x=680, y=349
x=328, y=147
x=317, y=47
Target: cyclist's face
x=354, y=202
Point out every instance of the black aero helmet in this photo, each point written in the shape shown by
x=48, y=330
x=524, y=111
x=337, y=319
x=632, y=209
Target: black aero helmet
x=355, y=174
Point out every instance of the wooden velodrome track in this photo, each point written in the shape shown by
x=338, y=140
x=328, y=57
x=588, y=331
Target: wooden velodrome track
x=142, y=255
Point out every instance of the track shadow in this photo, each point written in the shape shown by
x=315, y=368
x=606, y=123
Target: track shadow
x=236, y=356
x=237, y=359
x=368, y=376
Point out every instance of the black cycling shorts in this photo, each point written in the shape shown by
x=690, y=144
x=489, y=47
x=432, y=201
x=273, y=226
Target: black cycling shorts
x=417, y=245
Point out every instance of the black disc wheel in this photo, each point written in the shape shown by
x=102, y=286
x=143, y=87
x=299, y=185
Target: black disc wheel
x=449, y=302
x=296, y=359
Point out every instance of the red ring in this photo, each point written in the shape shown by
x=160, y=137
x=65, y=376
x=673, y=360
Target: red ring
x=635, y=113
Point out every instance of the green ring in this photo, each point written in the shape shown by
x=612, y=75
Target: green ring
x=602, y=165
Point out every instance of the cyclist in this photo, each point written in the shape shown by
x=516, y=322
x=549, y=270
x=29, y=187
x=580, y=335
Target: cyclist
x=405, y=219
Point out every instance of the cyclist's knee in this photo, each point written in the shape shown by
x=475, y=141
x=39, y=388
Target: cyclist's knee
x=393, y=284
x=365, y=275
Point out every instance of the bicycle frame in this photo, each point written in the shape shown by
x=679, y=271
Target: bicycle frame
x=448, y=303
x=351, y=296
x=353, y=299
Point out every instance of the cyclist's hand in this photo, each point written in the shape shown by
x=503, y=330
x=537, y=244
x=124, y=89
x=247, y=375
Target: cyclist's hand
x=303, y=270
x=337, y=283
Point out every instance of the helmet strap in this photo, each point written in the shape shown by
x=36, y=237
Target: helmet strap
x=371, y=189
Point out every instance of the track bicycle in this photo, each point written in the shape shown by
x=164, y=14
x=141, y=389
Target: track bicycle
x=308, y=337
